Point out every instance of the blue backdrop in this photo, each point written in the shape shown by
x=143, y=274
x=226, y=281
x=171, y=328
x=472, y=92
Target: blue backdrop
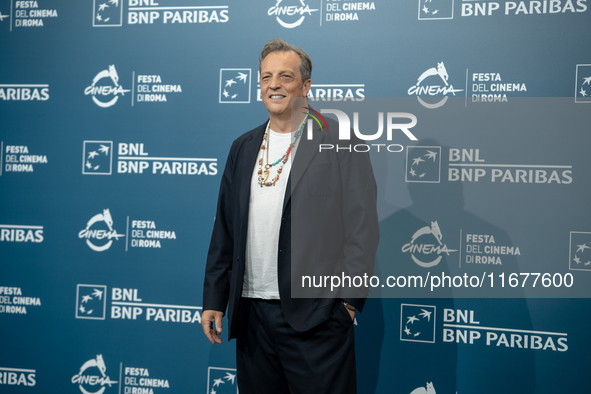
x=116, y=119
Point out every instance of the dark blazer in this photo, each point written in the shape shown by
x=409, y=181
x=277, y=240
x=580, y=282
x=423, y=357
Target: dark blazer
x=329, y=226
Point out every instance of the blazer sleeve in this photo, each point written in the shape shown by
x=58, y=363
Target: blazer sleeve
x=360, y=218
x=216, y=288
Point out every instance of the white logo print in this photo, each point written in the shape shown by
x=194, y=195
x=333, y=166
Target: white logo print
x=423, y=164
x=428, y=389
x=100, y=234
x=91, y=302
x=105, y=91
x=583, y=91
x=93, y=380
x=107, y=13
x=425, y=249
x=221, y=381
x=580, y=251
x=302, y=10
x=417, y=323
x=436, y=9
x=427, y=86
x=235, y=85
x=97, y=157
x=583, y=83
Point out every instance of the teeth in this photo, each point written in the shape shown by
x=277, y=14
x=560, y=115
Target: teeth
x=274, y=97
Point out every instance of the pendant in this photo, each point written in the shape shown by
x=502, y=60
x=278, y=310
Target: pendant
x=266, y=175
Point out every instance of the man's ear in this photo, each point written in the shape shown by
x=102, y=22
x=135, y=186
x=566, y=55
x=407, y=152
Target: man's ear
x=307, y=86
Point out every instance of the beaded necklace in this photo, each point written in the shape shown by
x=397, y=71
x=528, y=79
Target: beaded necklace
x=264, y=174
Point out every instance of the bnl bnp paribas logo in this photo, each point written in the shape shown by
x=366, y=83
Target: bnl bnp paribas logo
x=105, y=89
x=580, y=251
x=99, y=232
x=221, y=381
x=436, y=9
x=91, y=302
x=433, y=88
x=97, y=158
x=443, y=9
x=92, y=377
x=107, y=13
x=235, y=85
x=423, y=164
x=457, y=326
x=417, y=323
x=583, y=83
x=291, y=14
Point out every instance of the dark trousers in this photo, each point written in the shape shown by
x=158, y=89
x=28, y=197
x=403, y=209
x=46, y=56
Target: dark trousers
x=273, y=358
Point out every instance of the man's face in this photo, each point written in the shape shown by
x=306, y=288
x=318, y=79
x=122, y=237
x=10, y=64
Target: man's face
x=281, y=81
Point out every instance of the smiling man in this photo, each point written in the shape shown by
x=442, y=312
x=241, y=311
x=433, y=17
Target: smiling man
x=283, y=78
x=287, y=344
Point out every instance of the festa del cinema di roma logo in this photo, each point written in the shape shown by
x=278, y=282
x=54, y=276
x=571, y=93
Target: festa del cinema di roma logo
x=291, y=11
x=429, y=85
x=87, y=383
x=93, y=232
x=415, y=248
x=105, y=88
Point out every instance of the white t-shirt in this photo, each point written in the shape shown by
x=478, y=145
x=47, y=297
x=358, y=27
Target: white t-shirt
x=264, y=221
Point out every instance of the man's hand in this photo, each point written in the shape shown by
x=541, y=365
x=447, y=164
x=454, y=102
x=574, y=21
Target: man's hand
x=208, y=319
x=349, y=309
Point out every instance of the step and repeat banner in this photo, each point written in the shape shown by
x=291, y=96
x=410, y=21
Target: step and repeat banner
x=116, y=118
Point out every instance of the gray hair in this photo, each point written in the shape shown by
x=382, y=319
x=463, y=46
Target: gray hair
x=282, y=46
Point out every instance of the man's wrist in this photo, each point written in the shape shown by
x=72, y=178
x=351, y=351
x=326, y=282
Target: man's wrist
x=348, y=306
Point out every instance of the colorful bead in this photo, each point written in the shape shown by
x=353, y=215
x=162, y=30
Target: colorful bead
x=282, y=160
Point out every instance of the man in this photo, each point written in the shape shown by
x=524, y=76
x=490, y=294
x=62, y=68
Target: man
x=287, y=344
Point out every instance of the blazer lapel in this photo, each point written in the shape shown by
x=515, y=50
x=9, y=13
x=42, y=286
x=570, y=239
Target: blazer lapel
x=247, y=166
x=304, y=154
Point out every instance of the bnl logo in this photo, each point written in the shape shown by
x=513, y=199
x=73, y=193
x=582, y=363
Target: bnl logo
x=583, y=83
x=91, y=302
x=107, y=13
x=97, y=157
x=423, y=164
x=436, y=9
x=221, y=381
x=417, y=323
x=235, y=85
x=580, y=251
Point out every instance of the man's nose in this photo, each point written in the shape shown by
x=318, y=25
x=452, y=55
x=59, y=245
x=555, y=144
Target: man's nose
x=275, y=83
